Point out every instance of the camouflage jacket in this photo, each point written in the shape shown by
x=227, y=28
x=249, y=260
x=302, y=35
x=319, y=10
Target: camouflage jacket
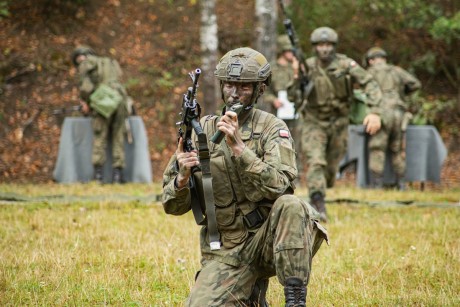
x=264, y=171
x=333, y=88
x=95, y=70
x=395, y=83
x=282, y=80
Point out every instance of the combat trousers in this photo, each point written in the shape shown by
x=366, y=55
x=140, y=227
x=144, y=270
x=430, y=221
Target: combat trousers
x=324, y=145
x=389, y=137
x=115, y=127
x=283, y=246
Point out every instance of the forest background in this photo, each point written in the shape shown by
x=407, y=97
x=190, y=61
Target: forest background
x=158, y=41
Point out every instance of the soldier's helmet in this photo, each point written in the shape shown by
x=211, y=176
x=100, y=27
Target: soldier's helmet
x=243, y=65
x=324, y=35
x=283, y=43
x=81, y=50
x=375, y=52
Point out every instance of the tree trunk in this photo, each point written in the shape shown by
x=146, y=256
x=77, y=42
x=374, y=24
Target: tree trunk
x=266, y=16
x=209, y=43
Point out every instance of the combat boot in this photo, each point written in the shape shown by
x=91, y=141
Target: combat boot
x=117, y=176
x=98, y=175
x=376, y=181
x=295, y=292
x=317, y=201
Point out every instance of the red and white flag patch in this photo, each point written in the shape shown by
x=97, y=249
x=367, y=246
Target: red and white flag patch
x=284, y=133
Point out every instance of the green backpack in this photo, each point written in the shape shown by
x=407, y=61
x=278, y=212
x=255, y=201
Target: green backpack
x=105, y=99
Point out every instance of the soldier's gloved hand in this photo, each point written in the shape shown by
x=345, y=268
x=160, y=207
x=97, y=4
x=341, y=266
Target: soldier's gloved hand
x=185, y=160
x=372, y=123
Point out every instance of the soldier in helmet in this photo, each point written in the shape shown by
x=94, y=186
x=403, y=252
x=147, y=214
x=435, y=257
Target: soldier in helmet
x=285, y=72
x=324, y=116
x=264, y=229
x=396, y=84
x=104, y=97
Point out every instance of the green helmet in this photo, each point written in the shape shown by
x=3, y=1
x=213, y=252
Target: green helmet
x=81, y=50
x=283, y=43
x=243, y=65
x=375, y=52
x=324, y=35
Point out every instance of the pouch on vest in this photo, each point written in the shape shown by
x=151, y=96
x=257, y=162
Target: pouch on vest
x=105, y=100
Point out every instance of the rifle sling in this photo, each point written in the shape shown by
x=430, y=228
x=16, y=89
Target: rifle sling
x=208, y=193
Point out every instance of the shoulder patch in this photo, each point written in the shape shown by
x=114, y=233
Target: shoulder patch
x=284, y=133
x=353, y=63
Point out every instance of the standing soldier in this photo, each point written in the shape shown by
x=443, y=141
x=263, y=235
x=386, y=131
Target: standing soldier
x=396, y=84
x=104, y=97
x=264, y=230
x=285, y=72
x=324, y=117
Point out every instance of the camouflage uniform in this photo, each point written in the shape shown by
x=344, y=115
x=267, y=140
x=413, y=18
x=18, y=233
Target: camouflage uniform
x=256, y=183
x=324, y=120
x=91, y=76
x=395, y=84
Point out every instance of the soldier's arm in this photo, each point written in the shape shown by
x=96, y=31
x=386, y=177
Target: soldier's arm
x=272, y=174
x=85, y=71
x=175, y=201
x=410, y=82
x=368, y=85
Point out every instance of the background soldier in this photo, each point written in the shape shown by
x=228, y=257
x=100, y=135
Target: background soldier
x=105, y=98
x=264, y=229
x=396, y=84
x=324, y=119
x=285, y=73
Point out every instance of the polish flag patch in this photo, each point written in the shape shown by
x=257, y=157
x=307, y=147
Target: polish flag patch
x=284, y=133
x=353, y=64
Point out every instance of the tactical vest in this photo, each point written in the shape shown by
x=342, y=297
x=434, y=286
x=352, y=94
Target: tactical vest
x=332, y=91
x=237, y=205
x=389, y=82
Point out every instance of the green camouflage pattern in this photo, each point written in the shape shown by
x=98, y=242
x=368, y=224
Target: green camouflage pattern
x=396, y=84
x=261, y=178
x=92, y=72
x=324, y=121
x=282, y=80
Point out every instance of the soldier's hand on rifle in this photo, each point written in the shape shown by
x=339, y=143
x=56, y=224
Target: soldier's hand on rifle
x=372, y=123
x=84, y=107
x=186, y=161
x=295, y=67
x=228, y=124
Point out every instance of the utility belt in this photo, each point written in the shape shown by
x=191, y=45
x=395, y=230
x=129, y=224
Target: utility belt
x=257, y=217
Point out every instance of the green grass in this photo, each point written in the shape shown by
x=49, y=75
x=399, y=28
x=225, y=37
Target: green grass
x=86, y=245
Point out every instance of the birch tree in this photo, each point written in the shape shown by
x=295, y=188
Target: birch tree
x=266, y=16
x=209, y=44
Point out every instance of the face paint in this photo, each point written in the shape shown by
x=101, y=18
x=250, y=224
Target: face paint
x=324, y=51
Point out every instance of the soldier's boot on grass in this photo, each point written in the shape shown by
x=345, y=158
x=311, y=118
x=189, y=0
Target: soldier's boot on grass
x=317, y=201
x=98, y=175
x=117, y=176
x=376, y=180
x=295, y=292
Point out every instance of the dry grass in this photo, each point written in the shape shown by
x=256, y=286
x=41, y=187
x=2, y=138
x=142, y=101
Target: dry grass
x=111, y=245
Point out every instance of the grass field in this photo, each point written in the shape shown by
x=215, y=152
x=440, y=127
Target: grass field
x=90, y=245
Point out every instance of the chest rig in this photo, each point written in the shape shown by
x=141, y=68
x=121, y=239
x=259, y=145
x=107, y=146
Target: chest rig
x=332, y=85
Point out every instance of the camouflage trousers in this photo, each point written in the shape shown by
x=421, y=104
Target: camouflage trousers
x=283, y=246
x=324, y=145
x=390, y=137
x=113, y=127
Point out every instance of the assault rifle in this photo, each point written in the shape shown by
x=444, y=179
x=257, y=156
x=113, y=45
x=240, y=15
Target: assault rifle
x=306, y=86
x=201, y=190
x=190, y=114
x=67, y=110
